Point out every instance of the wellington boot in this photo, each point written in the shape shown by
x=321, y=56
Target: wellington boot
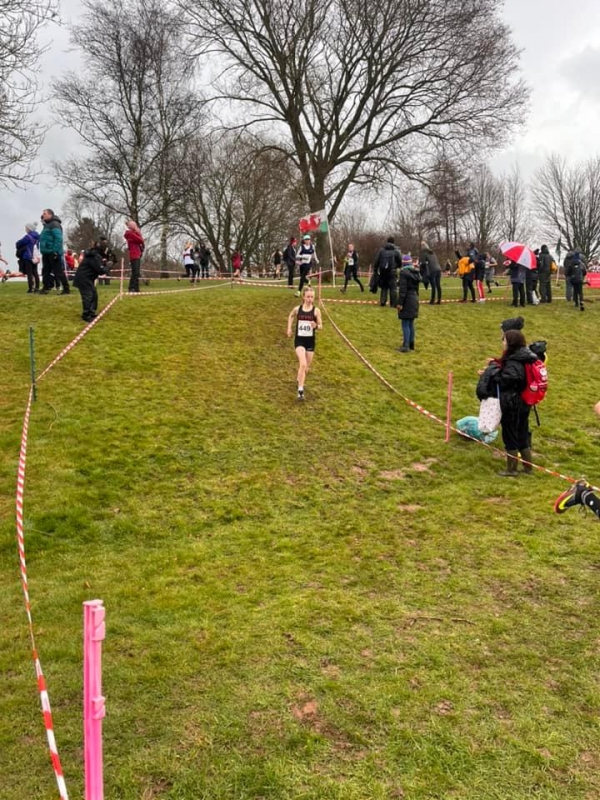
x=527, y=455
x=511, y=465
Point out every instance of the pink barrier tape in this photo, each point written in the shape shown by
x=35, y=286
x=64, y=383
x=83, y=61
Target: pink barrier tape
x=429, y=415
x=41, y=681
x=94, y=711
x=78, y=338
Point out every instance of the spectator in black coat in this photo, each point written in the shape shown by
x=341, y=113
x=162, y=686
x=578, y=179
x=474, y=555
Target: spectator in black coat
x=575, y=272
x=512, y=381
x=545, y=262
x=408, y=302
x=289, y=259
x=90, y=268
x=385, y=273
x=431, y=267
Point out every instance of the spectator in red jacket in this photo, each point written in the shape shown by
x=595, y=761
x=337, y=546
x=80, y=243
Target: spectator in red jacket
x=135, y=244
x=236, y=263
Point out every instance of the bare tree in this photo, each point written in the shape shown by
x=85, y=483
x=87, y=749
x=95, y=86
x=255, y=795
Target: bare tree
x=357, y=90
x=20, y=135
x=515, y=218
x=484, y=210
x=448, y=200
x=136, y=126
x=567, y=201
x=239, y=195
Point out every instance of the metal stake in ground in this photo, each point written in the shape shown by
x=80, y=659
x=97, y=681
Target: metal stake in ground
x=32, y=361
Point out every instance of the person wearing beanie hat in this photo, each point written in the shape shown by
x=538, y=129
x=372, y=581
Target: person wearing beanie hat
x=384, y=277
x=513, y=324
x=26, y=249
x=408, y=302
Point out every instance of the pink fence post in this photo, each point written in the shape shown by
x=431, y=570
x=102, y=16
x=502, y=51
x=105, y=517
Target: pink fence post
x=319, y=287
x=449, y=406
x=122, y=277
x=93, y=701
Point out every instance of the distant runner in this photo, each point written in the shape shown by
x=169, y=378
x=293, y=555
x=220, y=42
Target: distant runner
x=306, y=256
x=308, y=321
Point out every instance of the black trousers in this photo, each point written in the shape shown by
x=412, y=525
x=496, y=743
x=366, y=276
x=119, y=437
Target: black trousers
x=204, y=269
x=290, y=269
x=134, y=280
x=468, y=287
x=89, y=299
x=518, y=290
x=515, y=429
x=352, y=272
x=531, y=284
x=393, y=296
x=30, y=269
x=54, y=272
x=577, y=293
x=304, y=273
x=545, y=289
x=436, y=286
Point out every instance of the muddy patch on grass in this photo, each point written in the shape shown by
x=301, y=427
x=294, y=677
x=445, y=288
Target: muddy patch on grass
x=392, y=475
x=410, y=508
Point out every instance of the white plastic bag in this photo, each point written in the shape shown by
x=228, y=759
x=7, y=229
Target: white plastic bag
x=535, y=298
x=489, y=415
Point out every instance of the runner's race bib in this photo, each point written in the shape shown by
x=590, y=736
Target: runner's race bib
x=305, y=328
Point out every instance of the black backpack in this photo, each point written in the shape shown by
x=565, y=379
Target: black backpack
x=577, y=273
x=386, y=261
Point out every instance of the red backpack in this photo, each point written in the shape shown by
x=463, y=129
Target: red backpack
x=536, y=376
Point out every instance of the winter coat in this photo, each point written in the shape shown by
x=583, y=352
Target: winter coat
x=545, y=263
x=429, y=262
x=466, y=268
x=51, y=237
x=517, y=272
x=408, y=293
x=480, y=265
x=387, y=262
x=575, y=270
x=204, y=256
x=135, y=243
x=487, y=385
x=24, y=247
x=90, y=267
x=512, y=380
x=289, y=255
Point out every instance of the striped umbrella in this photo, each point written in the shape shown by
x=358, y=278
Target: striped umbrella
x=519, y=253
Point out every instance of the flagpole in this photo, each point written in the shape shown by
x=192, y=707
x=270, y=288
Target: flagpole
x=331, y=252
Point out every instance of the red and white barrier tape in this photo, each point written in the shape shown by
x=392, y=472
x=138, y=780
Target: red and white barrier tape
x=422, y=302
x=78, y=338
x=41, y=681
x=428, y=414
x=177, y=291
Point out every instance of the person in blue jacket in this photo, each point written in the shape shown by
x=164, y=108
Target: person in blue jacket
x=52, y=250
x=25, y=251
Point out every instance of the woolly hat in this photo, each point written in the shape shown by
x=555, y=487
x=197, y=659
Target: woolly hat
x=31, y=226
x=513, y=324
x=407, y=260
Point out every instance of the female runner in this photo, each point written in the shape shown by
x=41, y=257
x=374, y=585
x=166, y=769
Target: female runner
x=308, y=321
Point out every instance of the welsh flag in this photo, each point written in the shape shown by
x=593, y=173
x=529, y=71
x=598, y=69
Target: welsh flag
x=316, y=221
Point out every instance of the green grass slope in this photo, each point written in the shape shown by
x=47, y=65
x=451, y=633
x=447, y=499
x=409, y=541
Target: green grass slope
x=319, y=600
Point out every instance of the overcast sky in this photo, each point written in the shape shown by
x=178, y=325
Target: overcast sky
x=561, y=62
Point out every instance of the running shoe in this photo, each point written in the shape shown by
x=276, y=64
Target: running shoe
x=571, y=497
x=300, y=394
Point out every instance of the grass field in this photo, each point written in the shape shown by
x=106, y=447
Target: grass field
x=320, y=601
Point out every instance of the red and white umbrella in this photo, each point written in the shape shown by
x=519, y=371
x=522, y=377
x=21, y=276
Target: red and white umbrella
x=519, y=253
